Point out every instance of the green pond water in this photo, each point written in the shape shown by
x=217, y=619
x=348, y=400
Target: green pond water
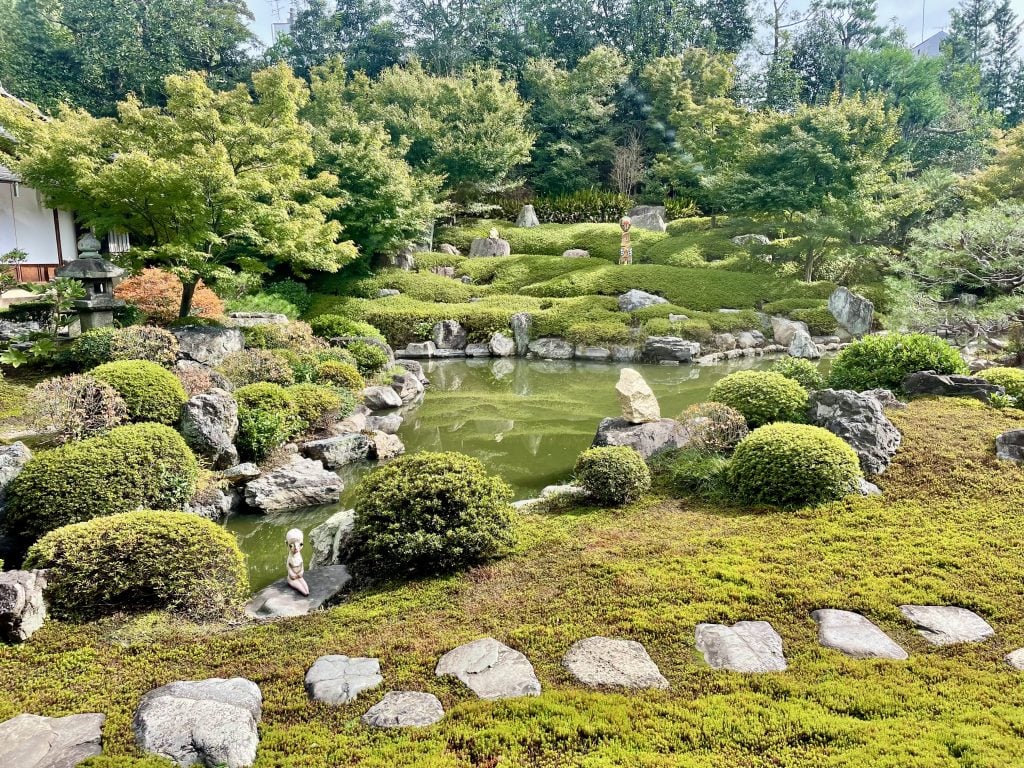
x=525, y=420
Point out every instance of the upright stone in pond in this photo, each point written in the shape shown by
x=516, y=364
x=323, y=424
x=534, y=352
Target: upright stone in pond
x=448, y=334
x=634, y=299
x=852, y=311
x=1010, y=445
x=946, y=624
x=299, y=483
x=22, y=609
x=490, y=669
x=637, y=400
x=860, y=421
x=492, y=245
x=33, y=741
x=783, y=329
x=501, y=345
x=211, y=723
x=209, y=424
x=280, y=601
x=334, y=452
x=854, y=635
x=407, y=386
x=803, y=346
x=602, y=661
x=340, y=679
x=527, y=217
x=521, y=323
x=329, y=539
x=746, y=646
x=404, y=709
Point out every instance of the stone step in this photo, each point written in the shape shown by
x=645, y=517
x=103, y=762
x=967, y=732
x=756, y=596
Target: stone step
x=947, y=624
x=490, y=669
x=855, y=635
x=602, y=661
x=404, y=709
x=746, y=646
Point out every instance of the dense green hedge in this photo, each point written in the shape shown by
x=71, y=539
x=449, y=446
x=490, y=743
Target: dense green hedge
x=614, y=474
x=132, y=467
x=152, y=393
x=884, y=361
x=601, y=240
x=802, y=371
x=430, y=513
x=762, y=396
x=140, y=561
x=792, y=464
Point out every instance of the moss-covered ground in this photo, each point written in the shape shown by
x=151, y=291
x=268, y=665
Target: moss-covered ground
x=947, y=530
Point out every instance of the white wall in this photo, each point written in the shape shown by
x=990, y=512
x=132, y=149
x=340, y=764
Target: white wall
x=26, y=224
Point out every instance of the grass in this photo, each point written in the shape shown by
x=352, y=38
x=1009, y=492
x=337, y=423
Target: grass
x=946, y=531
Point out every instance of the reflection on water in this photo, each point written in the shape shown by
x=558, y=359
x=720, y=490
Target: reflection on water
x=525, y=420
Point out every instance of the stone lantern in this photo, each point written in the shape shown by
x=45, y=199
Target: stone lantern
x=97, y=275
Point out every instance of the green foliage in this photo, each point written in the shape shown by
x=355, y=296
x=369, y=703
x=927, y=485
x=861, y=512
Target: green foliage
x=295, y=336
x=317, y=405
x=699, y=473
x=131, y=467
x=713, y=428
x=250, y=366
x=762, y=397
x=804, y=372
x=92, y=348
x=430, y=513
x=585, y=206
x=267, y=416
x=140, y=561
x=820, y=322
x=144, y=342
x=600, y=240
x=791, y=465
x=340, y=374
x=263, y=302
x=1010, y=379
x=884, y=361
x=369, y=358
x=612, y=475
x=150, y=392
x=339, y=326
x=292, y=291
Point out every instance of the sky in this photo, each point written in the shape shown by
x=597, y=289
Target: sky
x=907, y=12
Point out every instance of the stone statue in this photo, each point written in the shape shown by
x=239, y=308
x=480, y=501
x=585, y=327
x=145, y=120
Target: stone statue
x=296, y=568
x=625, y=248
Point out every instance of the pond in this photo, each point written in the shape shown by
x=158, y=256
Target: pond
x=526, y=420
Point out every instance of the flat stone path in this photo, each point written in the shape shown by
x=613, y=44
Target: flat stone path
x=491, y=669
x=340, y=679
x=746, y=646
x=598, y=661
x=404, y=709
x=946, y=624
x=32, y=741
x=855, y=636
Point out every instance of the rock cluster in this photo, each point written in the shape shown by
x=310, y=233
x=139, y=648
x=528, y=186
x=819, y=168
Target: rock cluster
x=860, y=421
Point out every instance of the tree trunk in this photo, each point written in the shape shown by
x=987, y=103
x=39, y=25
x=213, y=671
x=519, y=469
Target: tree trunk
x=188, y=290
x=809, y=265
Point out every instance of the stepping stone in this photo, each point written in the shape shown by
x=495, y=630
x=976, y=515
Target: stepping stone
x=746, y=646
x=32, y=741
x=279, y=600
x=340, y=679
x=598, y=661
x=1016, y=659
x=854, y=635
x=211, y=722
x=491, y=669
x=947, y=624
x=404, y=709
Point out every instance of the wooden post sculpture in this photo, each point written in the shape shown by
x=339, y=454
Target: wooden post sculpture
x=625, y=247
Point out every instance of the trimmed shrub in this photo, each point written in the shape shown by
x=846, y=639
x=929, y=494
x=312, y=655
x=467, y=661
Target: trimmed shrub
x=337, y=326
x=1010, y=379
x=340, y=374
x=296, y=336
x=158, y=294
x=141, y=561
x=695, y=472
x=144, y=342
x=820, y=321
x=131, y=467
x=291, y=291
x=713, y=428
x=762, y=396
x=801, y=371
x=369, y=357
x=92, y=348
x=882, y=362
x=151, y=393
x=264, y=302
x=430, y=513
x=267, y=417
x=316, y=405
x=251, y=366
x=75, y=407
x=613, y=474
x=792, y=464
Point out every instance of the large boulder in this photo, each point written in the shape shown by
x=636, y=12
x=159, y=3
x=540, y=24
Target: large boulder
x=501, y=345
x=753, y=239
x=635, y=299
x=527, y=217
x=651, y=217
x=860, y=421
x=381, y=398
x=783, y=329
x=339, y=679
x=448, y=249
x=210, y=723
x=521, y=324
x=670, y=349
x=490, y=669
x=636, y=398
x=932, y=383
x=329, y=540
x=448, y=334
x=212, y=503
x=299, y=483
x=419, y=349
x=13, y=459
x=208, y=345
x=281, y=601
x=802, y=345
x=852, y=311
x=552, y=348
x=337, y=451
x=407, y=386
x=489, y=246
x=33, y=741
x=22, y=609
x=209, y=423
x=647, y=439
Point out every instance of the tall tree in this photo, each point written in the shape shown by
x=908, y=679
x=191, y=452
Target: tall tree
x=970, y=37
x=725, y=25
x=211, y=177
x=1003, y=57
x=822, y=52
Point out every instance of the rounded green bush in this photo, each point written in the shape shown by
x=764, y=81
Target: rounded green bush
x=341, y=374
x=430, y=513
x=1010, y=379
x=251, y=366
x=131, y=467
x=762, y=396
x=92, y=348
x=792, y=464
x=318, y=405
x=141, y=561
x=369, y=357
x=152, y=393
x=801, y=371
x=613, y=474
x=882, y=362
x=267, y=416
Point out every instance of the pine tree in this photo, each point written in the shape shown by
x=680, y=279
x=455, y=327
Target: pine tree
x=1003, y=57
